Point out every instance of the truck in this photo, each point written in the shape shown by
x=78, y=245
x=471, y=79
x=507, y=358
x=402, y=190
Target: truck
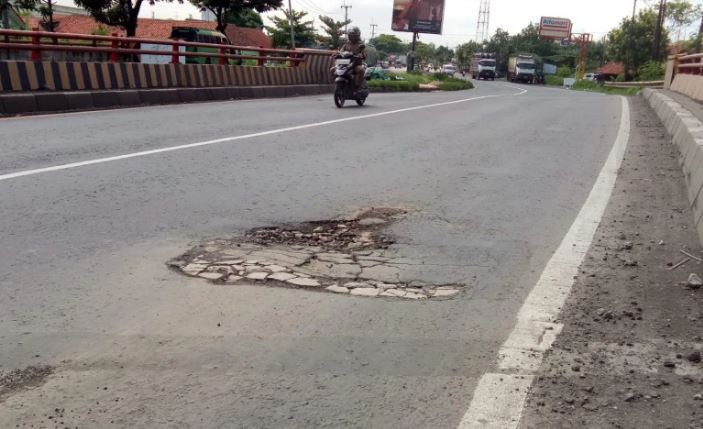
x=483, y=66
x=522, y=68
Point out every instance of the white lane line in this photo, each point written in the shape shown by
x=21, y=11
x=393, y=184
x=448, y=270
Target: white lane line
x=499, y=398
x=71, y=165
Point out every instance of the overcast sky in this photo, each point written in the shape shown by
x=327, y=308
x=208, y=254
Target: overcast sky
x=592, y=16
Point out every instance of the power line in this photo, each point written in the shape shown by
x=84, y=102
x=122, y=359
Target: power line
x=346, y=8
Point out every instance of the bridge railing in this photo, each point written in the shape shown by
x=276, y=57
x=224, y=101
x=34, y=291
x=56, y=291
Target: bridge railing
x=119, y=49
x=689, y=64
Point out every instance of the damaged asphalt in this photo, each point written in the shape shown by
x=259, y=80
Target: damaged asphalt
x=489, y=195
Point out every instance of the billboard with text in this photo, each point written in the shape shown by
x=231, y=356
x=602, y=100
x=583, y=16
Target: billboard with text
x=554, y=28
x=418, y=16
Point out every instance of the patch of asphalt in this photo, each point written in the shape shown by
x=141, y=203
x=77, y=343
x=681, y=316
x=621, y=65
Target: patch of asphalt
x=629, y=353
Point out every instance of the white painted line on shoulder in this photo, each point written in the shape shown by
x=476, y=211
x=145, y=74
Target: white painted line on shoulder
x=71, y=165
x=499, y=398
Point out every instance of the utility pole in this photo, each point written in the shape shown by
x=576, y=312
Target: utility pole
x=373, y=31
x=290, y=21
x=656, y=52
x=346, y=8
x=634, y=9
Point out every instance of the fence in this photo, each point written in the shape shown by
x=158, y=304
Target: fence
x=125, y=48
x=685, y=75
x=118, y=65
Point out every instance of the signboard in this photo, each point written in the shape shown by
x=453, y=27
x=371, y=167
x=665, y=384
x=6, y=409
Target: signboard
x=554, y=28
x=418, y=16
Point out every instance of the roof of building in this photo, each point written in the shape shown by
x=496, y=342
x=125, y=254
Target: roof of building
x=243, y=36
x=612, y=69
x=155, y=29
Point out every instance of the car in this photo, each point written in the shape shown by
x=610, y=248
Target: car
x=448, y=69
x=590, y=76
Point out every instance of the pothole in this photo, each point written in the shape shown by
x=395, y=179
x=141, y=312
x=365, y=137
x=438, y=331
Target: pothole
x=347, y=256
x=18, y=379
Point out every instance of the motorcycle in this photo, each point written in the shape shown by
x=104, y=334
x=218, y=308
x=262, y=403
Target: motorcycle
x=345, y=89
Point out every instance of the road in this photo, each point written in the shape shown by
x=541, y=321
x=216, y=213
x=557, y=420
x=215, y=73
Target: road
x=492, y=180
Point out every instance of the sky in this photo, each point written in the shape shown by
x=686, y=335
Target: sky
x=588, y=16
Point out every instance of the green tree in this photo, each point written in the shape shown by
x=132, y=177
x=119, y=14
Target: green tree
x=45, y=9
x=223, y=9
x=334, y=31
x=280, y=31
x=117, y=13
x=247, y=18
x=680, y=14
x=501, y=45
x=631, y=42
x=389, y=44
x=465, y=52
x=443, y=55
x=424, y=53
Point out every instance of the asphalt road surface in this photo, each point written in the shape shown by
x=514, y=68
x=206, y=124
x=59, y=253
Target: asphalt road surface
x=492, y=179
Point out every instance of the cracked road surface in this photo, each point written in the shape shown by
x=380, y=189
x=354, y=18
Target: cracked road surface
x=491, y=187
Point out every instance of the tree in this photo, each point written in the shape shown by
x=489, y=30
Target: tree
x=465, y=52
x=389, y=44
x=681, y=14
x=631, y=42
x=247, y=18
x=443, y=55
x=223, y=9
x=280, y=31
x=500, y=44
x=117, y=13
x=334, y=30
x=45, y=9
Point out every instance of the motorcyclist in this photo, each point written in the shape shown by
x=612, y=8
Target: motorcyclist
x=357, y=48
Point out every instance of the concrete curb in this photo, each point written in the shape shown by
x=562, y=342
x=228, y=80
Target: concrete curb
x=687, y=133
x=66, y=101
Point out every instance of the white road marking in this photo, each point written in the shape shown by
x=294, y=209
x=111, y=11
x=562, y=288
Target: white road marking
x=71, y=165
x=499, y=398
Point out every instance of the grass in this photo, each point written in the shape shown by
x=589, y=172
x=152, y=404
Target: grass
x=590, y=86
x=394, y=85
x=554, y=80
x=587, y=85
x=455, y=85
x=411, y=82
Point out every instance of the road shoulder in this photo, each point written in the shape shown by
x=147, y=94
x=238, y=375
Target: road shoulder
x=629, y=352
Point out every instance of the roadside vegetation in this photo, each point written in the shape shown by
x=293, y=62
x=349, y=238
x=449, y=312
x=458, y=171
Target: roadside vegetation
x=411, y=82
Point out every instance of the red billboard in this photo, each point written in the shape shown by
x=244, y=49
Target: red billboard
x=418, y=16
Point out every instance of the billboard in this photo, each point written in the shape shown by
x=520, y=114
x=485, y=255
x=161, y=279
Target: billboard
x=418, y=16
x=554, y=28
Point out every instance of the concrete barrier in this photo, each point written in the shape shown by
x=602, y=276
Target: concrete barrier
x=686, y=131
x=22, y=103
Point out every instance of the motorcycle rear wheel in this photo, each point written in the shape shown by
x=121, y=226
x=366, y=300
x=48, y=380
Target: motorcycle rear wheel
x=339, y=96
x=361, y=101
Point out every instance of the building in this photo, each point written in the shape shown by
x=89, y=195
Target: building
x=611, y=70
x=154, y=29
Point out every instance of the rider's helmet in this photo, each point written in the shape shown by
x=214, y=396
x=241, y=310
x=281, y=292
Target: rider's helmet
x=354, y=35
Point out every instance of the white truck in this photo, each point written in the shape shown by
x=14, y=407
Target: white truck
x=483, y=66
x=522, y=68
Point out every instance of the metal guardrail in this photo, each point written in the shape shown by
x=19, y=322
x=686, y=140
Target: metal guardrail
x=37, y=42
x=643, y=84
